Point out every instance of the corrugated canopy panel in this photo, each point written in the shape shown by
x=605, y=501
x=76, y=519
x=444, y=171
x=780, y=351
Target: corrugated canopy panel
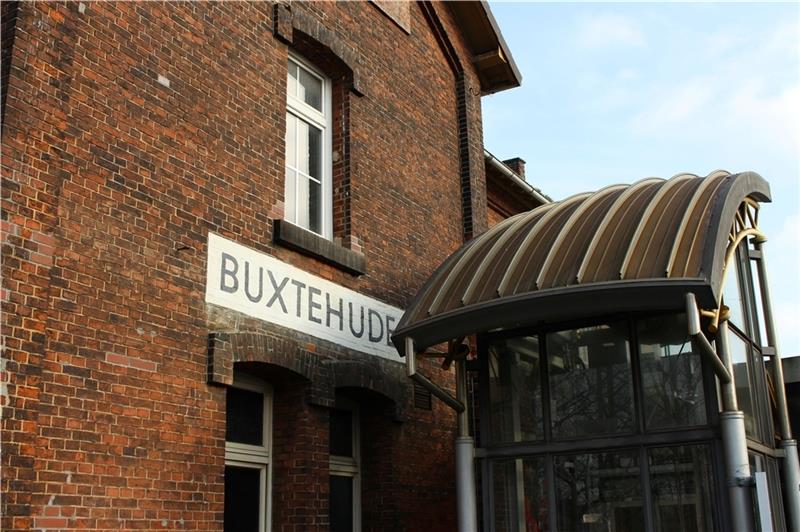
x=622, y=248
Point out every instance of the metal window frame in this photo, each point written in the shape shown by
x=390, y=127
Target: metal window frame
x=642, y=440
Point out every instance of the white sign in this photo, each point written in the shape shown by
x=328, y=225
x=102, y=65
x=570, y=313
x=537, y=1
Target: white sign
x=259, y=285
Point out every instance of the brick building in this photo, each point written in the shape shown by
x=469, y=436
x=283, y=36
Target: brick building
x=213, y=215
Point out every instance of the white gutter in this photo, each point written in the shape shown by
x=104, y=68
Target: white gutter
x=508, y=172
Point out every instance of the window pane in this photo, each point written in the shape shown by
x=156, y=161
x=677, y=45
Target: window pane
x=244, y=417
x=759, y=308
x=599, y=492
x=290, y=196
x=309, y=149
x=672, y=376
x=314, y=164
x=302, y=201
x=741, y=374
x=341, y=504
x=341, y=432
x=315, y=206
x=291, y=140
x=302, y=146
x=291, y=80
x=591, y=389
x=520, y=494
x=731, y=295
x=681, y=484
x=515, y=392
x=242, y=499
x=309, y=89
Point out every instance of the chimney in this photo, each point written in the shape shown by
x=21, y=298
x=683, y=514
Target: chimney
x=517, y=165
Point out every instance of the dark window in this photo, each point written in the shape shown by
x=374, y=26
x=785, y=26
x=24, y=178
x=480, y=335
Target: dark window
x=341, y=504
x=672, y=374
x=242, y=499
x=591, y=386
x=680, y=480
x=515, y=391
x=341, y=432
x=520, y=492
x=245, y=417
x=599, y=491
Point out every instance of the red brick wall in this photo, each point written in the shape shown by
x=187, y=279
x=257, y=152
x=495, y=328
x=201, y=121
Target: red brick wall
x=111, y=182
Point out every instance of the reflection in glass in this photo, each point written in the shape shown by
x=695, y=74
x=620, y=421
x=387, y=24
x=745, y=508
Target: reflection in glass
x=731, y=294
x=680, y=481
x=520, y=494
x=309, y=89
x=758, y=311
x=741, y=374
x=515, y=392
x=591, y=389
x=599, y=492
x=672, y=376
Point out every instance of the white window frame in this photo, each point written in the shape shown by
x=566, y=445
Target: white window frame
x=322, y=120
x=350, y=466
x=256, y=456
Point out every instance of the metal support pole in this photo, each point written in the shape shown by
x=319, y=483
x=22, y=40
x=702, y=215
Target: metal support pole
x=791, y=464
x=465, y=458
x=734, y=443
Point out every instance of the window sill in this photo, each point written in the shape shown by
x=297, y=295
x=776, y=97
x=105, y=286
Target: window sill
x=308, y=243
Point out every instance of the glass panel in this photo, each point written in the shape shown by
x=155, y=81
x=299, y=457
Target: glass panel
x=302, y=146
x=741, y=374
x=341, y=432
x=290, y=196
x=681, y=484
x=302, y=201
x=672, y=376
x=309, y=89
x=732, y=296
x=775, y=494
x=758, y=307
x=242, y=499
x=314, y=153
x=515, y=391
x=341, y=504
x=291, y=140
x=599, y=492
x=315, y=206
x=591, y=389
x=244, y=416
x=520, y=495
x=291, y=79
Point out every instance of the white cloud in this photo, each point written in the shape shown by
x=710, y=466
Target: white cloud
x=783, y=255
x=677, y=105
x=609, y=30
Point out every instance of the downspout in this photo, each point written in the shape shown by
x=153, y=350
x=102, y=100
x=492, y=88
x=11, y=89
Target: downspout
x=791, y=465
x=734, y=437
x=464, y=444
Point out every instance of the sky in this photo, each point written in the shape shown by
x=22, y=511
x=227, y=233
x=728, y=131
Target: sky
x=613, y=93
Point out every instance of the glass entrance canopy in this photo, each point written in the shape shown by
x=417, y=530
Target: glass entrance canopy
x=601, y=402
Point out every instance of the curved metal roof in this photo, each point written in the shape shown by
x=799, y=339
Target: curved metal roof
x=622, y=248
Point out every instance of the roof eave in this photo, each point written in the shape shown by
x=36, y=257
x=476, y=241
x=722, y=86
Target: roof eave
x=552, y=306
x=491, y=56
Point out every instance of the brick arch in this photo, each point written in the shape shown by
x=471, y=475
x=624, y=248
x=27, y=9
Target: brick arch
x=287, y=22
x=227, y=348
x=386, y=379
